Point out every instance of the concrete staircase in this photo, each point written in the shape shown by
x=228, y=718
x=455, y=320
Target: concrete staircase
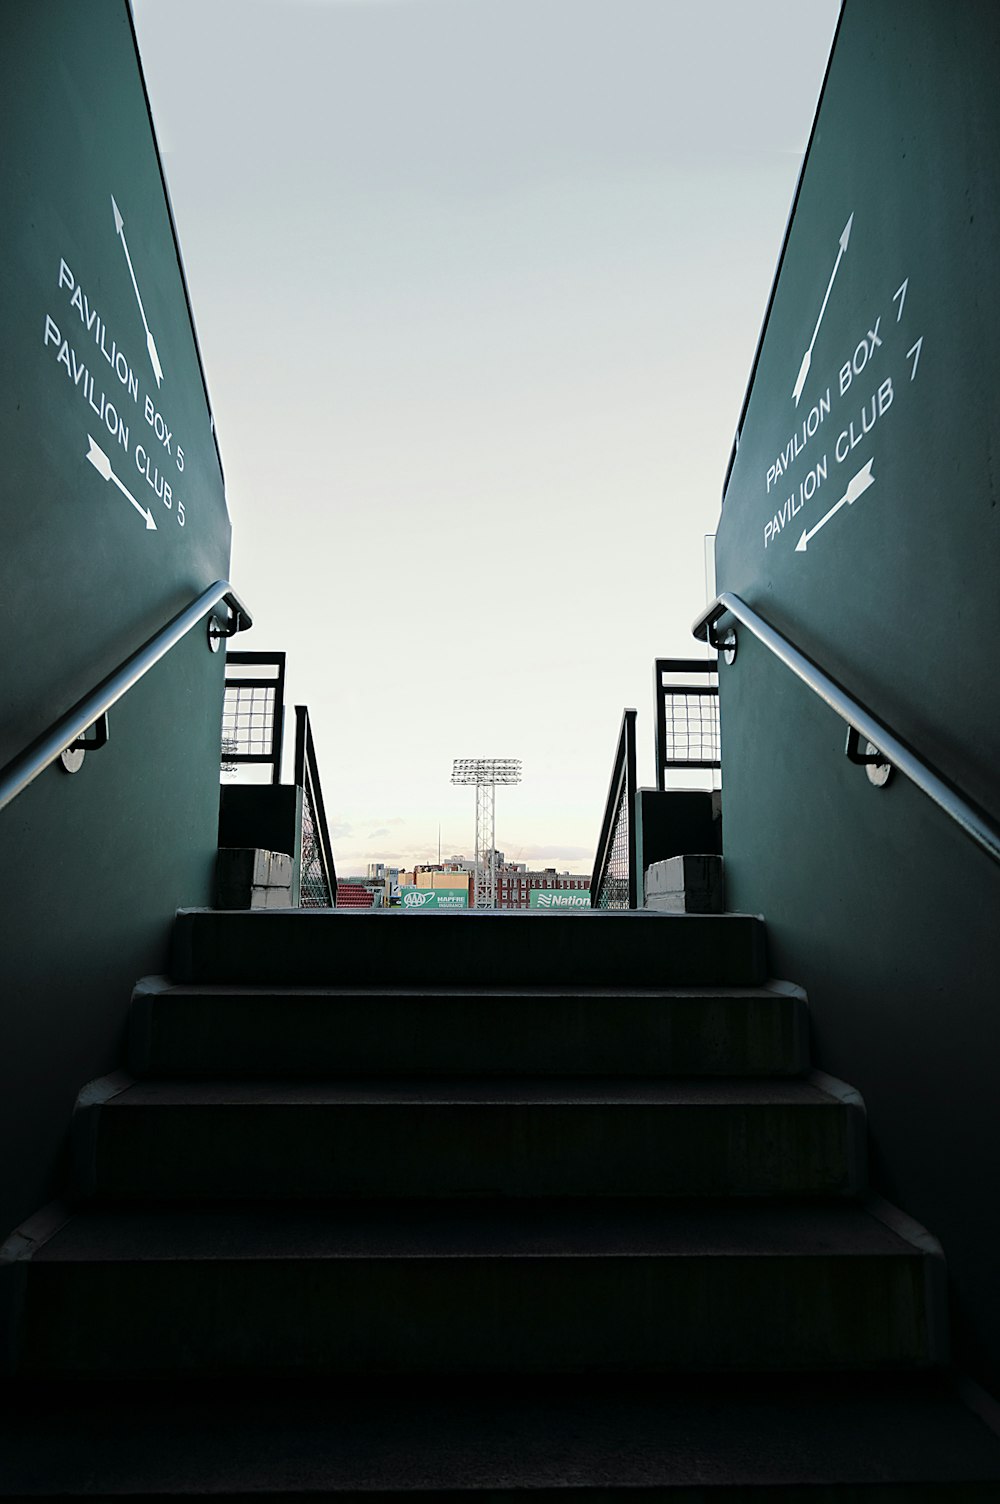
x=476, y=1203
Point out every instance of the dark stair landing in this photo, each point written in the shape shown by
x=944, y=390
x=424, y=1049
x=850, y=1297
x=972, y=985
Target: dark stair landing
x=706, y=1440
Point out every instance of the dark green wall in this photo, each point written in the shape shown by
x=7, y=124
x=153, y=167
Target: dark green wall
x=82, y=579
x=880, y=907
x=874, y=902
x=890, y=594
x=93, y=865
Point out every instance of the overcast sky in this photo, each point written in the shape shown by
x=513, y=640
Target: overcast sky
x=478, y=284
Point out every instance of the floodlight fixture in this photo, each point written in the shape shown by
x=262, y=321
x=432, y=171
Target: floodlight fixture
x=486, y=770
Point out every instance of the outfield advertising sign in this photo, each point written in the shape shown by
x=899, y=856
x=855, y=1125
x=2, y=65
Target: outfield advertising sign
x=418, y=900
x=559, y=898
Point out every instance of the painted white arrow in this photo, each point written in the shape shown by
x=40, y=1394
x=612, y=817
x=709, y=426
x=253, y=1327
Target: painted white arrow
x=102, y=465
x=800, y=379
x=150, y=341
x=856, y=486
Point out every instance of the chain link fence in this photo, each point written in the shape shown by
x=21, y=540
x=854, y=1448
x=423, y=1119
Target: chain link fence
x=317, y=873
x=613, y=882
x=314, y=888
x=613, y=890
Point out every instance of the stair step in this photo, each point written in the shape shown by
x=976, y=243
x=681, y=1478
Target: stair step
x=257, y=1031
x=480, y=1287
x=694, y=1440
x=509, y=1137
x=303, y=947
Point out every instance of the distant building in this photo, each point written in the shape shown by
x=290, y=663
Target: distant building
x=387, y=878
x=515, y=884
x=444, y=876
x=515, y=881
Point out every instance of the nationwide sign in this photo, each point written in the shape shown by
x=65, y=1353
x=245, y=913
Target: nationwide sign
x=559, y=898
x=414, y=900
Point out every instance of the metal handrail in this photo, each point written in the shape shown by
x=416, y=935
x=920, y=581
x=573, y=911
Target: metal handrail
x=44, y=750
x=974, y=821
x=621, y=790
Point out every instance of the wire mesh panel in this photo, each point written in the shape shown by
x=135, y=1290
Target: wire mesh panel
x=253, y=713
x=687, y=715
x=248, y=719
x=691, y=724
x=613, y=892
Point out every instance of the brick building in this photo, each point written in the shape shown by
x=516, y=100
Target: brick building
x=515, y=883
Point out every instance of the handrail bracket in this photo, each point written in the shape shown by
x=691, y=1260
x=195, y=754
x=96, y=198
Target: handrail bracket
x=71, y=758
x=867, y=756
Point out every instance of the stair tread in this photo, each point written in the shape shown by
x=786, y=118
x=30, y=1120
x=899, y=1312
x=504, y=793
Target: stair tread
x=472, y=916
x=591, y=1091
x=471, y=1228
x=110, y=1439
x=166, y=987
x=228, y=1027
x=314, y=946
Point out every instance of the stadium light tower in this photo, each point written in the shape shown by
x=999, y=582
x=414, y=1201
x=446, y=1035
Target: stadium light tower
x=486, y=773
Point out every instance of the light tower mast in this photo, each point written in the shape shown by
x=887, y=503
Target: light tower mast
x=486, y=773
